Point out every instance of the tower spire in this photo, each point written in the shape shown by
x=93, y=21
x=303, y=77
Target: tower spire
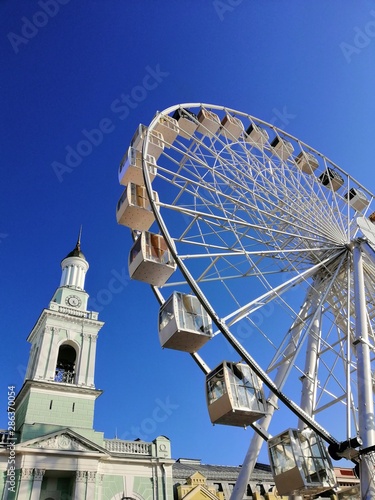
x=74, y=267
x=78, y=245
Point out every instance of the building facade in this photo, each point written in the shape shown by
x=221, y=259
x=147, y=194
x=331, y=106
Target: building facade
x=51, y=450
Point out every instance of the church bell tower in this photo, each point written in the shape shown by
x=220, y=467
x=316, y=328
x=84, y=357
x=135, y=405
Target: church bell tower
x=59, y=390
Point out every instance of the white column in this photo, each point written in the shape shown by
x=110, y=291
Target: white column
x=91, y=482
x=310, y=377
x=31, y=365
x=100, y=487
x=25, y=484
x=52, y=357
x=81, y=276
x=63, y=277
x=68, y=275
x=366, y=421
x=83, y=360
x=91, y=361
x=80, y=486
x=41, y=362
x=37, y=484
x=74, y=277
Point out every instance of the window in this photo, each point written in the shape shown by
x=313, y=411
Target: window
x=65, y=367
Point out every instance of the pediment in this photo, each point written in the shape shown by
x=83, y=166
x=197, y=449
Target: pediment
x=196, y=477
x=199, y=492
x=65, y=440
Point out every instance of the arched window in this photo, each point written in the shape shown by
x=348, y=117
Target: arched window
x=65, y=367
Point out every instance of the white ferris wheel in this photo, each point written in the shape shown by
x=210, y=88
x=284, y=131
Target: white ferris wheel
x=247, y=233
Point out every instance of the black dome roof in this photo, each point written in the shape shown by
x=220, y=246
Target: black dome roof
x=76, y=252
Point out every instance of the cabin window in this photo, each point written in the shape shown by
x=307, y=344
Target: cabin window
x=282, y=456
x=216, y=386
x=243, y=387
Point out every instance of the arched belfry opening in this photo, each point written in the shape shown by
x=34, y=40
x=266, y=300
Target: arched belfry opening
x=65, y=366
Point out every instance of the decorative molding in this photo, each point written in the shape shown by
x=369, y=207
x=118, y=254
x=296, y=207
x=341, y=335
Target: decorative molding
x=26, y=474
x=61, y=442
x=81, y=476
x=91, y=477
x=38, y=474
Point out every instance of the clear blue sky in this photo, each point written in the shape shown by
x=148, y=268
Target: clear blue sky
x=306, y=66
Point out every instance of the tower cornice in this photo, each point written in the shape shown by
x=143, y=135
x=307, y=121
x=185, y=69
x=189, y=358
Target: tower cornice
x=86, y=317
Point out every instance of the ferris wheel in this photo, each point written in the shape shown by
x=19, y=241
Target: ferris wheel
x=249, y=235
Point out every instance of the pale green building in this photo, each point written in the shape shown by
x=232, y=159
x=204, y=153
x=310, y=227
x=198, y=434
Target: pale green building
x=57, y=454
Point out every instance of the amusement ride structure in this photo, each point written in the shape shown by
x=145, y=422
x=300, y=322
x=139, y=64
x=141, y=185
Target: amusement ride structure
x=240, y=227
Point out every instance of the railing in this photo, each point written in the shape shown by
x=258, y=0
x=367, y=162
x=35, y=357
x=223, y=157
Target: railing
x=128, y=447
x=73, y=312
x=65, y=376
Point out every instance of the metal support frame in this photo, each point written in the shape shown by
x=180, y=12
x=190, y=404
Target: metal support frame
x=366, y=421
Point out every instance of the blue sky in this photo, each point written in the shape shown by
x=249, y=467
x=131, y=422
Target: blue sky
x=67, y=69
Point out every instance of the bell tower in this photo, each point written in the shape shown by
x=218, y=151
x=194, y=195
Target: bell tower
x=59, y=389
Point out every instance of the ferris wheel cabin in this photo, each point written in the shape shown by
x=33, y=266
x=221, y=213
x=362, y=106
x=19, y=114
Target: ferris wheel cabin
x=282, y=148
x=300, y=463
x=357, y=199
x=130, y=169
x=256, y=136
x=155, y=141
x=331, y=179
x=134, y=208
x=183, y=323
x=168, y=128
x=150, y=260
x=234, y=395
x=306, y=162
x=231, y=127
x=187, y=122
x=209, y=122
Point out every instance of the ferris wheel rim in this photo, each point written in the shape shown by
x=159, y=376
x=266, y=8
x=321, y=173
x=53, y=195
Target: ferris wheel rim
x=175, y=107
x=164, y=229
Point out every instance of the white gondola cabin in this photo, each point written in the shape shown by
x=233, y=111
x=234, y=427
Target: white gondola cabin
x=187, y=122
x=155, y=141
x=130, y=169
x=282, y=148
x=168, y=128
x=209, y=122
x=150, y=260
x=300, y=463
x=256, y=136
x=357, y=199
x=234, y=395
x=138, y=137
x=306, y=162
x=331, y=179
x=134, y=208
x=232, y=127
x=183, y=323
